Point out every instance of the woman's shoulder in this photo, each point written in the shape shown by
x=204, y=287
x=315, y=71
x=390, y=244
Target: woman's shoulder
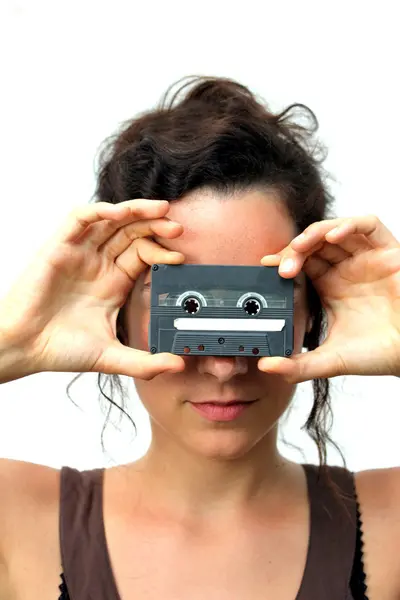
x=29, y=524
x=378, y=494
x=379, y=488
x=17, y=470
x=26, y=487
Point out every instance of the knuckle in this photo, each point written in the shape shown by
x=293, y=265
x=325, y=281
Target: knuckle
x=339, y=223
x=138, y=207
x=314, y=228
x=98, y=206
x=142, y=373
x=77, y=211
x=101, y=204
x=311, y=228
x=143, y=247
x=374, y=219
x=149, y=376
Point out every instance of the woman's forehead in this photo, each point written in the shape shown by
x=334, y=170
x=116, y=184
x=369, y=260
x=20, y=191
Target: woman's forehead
x=230, y=230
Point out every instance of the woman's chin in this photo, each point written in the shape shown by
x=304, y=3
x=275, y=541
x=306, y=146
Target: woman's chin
x=220, y=444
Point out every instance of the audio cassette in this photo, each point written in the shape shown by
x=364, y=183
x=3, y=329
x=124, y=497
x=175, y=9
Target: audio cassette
x=220, y=310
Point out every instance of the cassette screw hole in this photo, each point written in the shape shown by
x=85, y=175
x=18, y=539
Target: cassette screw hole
x=241, y=348
x=221, y=340
x=186, y=349
x=191, y=305
x=256, y=351
x=201, y=348
x=288, y=352
x=252, y=306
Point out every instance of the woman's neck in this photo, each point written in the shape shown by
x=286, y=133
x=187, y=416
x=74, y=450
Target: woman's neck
x=194, y=484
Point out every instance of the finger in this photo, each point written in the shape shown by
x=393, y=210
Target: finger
x=116, y=244
x=84, y=216
x=328, y=255
x=331, y=253
x=353, y=234
x=271, y=260
x=289, y=261
x=122, y=360
x=317, y=261
x=324, y=254
x=370, y=226
x=144, y=252
x=98, y=234
x=374, y=265
x=304, y=366
x=352, y=244
x=315, y=267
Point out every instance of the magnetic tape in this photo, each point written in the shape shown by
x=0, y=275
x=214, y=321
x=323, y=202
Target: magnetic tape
x=220, y=310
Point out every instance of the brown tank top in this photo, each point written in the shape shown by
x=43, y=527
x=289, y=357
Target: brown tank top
x=87, y=567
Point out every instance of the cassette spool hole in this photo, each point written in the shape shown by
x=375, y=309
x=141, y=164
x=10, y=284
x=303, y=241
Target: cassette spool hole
x=191, y=305
x=252, y=306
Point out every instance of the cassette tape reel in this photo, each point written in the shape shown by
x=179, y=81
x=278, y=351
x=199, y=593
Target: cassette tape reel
x=220, y=310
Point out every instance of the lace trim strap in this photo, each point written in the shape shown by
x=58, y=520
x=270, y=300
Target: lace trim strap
x=357, y=583
x=64, y=595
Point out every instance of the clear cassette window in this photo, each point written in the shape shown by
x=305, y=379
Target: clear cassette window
x=221, y=298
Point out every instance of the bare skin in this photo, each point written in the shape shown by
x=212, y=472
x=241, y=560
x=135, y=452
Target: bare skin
x=206, y=500
x=151, y=549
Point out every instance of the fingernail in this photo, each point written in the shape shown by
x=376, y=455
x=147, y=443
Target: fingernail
x=286, y=265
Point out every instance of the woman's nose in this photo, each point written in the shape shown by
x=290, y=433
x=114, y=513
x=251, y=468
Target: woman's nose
x=222, y=368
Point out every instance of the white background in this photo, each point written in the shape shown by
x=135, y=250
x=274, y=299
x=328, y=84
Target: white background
x=72, y=71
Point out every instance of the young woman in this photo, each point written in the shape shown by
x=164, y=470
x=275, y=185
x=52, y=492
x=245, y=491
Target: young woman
x=212, y=510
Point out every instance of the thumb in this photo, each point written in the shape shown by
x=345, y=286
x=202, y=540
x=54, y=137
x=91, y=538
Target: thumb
x=123, y=360
x=302, y=367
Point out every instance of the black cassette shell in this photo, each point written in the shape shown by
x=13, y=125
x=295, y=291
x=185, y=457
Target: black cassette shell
x=221, y=310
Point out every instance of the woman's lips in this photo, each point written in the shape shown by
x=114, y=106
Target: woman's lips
x=218, y=411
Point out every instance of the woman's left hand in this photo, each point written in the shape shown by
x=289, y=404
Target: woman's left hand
x=354, y=265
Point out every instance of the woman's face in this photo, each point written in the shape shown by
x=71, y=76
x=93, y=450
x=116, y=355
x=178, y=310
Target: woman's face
x=237, y=230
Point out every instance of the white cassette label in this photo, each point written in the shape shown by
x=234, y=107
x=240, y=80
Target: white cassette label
x=188, y=324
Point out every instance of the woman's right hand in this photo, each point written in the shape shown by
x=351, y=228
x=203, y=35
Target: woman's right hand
x=62, y=312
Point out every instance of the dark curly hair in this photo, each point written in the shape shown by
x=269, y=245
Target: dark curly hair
x=213, y=132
